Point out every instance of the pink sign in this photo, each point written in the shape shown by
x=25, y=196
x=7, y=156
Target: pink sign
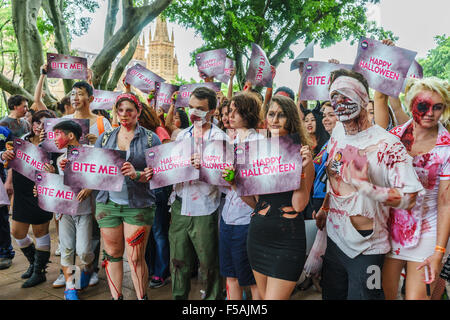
x=267, y=166
x=104, y=99
x=304, y=56
x=163, y=95
x=171, y=163
x=94, y=168
x=259, y=71
x=216, y=156
x=54, y=195
x=385, y=67
x=211, y=63
x=66, y=67
x=415, y=71
x=316, y=79
x=29, y=158
x=141, y=78
x=186, y=90
x=225, y=76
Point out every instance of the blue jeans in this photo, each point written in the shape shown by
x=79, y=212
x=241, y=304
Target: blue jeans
x=6, y=249
x=157, y=253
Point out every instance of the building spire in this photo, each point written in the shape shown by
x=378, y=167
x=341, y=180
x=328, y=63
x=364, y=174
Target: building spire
x=161, y=33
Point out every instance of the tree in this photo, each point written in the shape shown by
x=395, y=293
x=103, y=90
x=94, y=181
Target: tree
x=273, y=24
x=437, y=62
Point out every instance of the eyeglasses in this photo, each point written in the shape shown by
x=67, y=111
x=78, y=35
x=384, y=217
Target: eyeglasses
x=423, y=107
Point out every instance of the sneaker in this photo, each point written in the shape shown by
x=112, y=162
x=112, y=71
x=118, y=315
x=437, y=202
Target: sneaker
x=157, y=282
x=71, y=294
x=94, y=279
x=58, y=251
x=60, y=281
x=5, y=263
x=85, y=279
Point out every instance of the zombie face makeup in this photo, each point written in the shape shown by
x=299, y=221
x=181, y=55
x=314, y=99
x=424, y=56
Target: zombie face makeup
x=276, y=120
x=199, y=110
x=427, y=108
x=61, y=139
x=127, y=114
x=344, y=107
x=38, y=126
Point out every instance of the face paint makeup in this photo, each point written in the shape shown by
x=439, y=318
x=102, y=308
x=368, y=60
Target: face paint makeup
x=344, y=108
x=422, y=105
x=197, y=115
x=61, y=139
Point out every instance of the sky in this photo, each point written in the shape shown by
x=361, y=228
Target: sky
x=415, y=22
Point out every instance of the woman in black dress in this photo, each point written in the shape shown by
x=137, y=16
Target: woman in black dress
x=276, y=241
x=26, y=212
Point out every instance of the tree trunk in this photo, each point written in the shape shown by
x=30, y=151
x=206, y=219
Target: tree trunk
x=134, y=20
x=115, y=78
x=240, y=72
x=53, y=11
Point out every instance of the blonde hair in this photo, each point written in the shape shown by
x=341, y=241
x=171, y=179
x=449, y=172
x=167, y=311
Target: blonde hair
x=441, y=87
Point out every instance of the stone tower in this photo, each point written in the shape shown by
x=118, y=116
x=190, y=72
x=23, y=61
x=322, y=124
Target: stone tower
x=161, y=57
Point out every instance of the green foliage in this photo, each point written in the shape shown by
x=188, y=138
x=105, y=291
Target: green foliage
x=437, y=62
x=180, y=81
x=273, y=24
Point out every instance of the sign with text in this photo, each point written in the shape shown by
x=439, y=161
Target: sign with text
x=415, y=71
x=54, y=195
x=304, y=56
x=316, y=79
x=94, y=168
x=142, y=78
x=66, y=67
x=385, y=67
x=211, y=63
x=163, y=95
x=259, y=72
x=28, y=159
x=171, y=163
x=49, y=142
x=267, y=166
x=216, y=156
x=185, y=92
x=104, y=99
x=226, y=75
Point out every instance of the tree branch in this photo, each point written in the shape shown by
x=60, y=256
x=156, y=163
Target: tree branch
x=13, y=88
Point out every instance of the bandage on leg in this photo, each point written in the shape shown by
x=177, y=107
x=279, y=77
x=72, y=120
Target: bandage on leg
x=136, y=242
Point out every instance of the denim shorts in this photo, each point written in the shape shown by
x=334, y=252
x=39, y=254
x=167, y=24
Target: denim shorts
x=111, y=215
x=233, y=257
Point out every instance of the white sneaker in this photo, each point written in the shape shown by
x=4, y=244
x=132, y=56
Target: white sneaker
x=94, y=279
x=58, y=251
x=60, y=281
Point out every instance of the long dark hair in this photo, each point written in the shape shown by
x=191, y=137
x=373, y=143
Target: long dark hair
x=321, y=134
x=183, y=118
x=38, y=116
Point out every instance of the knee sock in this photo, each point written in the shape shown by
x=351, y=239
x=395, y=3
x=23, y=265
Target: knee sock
x=43, y=243
x=25, y=242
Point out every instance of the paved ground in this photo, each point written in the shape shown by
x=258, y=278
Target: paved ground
x=10, y=283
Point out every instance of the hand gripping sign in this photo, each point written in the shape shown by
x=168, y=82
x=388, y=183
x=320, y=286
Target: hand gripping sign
x=66, y=67
x=385, y=67
x=94, y=168
x=267, y=166
x=28, y=159
x=142, y=78
x=226, y=75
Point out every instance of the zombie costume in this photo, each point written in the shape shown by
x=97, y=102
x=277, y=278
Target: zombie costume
x=413, y=232
x=195, y=227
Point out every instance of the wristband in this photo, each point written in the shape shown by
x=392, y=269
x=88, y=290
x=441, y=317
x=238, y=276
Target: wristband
x=138, y=176
x=325, y=209
x=439, y=249
x=115, y=125
x=43, y=71
x=303, y=175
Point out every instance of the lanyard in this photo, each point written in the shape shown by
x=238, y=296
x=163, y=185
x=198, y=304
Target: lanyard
x=190, y=131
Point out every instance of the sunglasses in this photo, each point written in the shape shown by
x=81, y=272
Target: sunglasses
x=423, y=107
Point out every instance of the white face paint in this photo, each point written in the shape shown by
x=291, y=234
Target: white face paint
x=344, y=107
x=197, y=115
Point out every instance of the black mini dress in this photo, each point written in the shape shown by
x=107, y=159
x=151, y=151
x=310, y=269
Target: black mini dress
x=276, y=245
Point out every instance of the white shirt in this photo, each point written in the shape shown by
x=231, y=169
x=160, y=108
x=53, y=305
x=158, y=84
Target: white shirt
x=235, y=211
x=199, y=198
x=390, y=166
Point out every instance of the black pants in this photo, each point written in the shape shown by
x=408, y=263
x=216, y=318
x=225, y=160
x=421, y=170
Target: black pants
x=5, y=234
x=344, y=278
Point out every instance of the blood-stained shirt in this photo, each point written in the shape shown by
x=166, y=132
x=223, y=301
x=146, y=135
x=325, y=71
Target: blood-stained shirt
x=407, y=227
x=389, y=166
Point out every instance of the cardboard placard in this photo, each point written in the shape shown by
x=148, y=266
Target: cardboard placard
x=66, y=67
x=304, y=56
x=225, y=76
x=186, y=90
x=212, y=62
x=142, y=78
x=163, y=94
x=28, y=159
x=104, y=99
x=216, y=156
x=49, y=142
x=259, y=71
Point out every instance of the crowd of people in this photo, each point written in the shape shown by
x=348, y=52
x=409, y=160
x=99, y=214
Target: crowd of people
x=375, y=177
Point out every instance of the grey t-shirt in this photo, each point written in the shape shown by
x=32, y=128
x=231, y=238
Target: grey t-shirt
x=17, y=127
